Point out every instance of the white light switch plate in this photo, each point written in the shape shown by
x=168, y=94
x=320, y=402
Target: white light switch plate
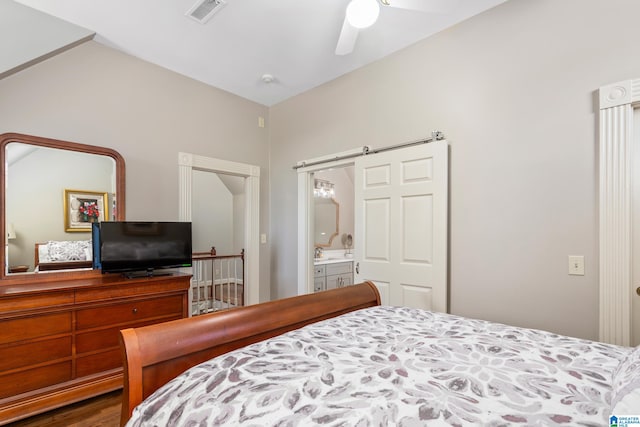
x=263, y=238
x=576, y=265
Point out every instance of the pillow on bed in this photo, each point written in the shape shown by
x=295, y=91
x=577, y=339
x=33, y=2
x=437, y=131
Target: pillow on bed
x=626, y=385
x=43, y=253
x=76, y=250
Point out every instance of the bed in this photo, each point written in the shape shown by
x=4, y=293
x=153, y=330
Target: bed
x=339, y=358
x=63, y=255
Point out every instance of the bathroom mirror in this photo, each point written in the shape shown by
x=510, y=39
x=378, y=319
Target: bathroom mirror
x=326, y=216
x=45, y=184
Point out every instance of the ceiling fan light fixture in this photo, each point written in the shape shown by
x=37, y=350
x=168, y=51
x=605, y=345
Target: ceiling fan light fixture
x=363, y=13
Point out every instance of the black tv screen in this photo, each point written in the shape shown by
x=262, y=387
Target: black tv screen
x=127, y=246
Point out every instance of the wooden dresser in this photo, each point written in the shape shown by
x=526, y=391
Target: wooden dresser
x=59, y=338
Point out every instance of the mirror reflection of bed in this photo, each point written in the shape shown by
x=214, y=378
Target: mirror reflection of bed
x=37, y=175
x=65, y=255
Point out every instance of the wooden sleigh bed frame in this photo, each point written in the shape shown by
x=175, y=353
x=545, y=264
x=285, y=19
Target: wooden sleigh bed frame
x=155, y=354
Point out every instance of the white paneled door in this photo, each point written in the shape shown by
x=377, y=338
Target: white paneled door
x=401, y=224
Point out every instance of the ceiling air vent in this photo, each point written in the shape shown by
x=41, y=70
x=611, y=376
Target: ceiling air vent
x=203, y=10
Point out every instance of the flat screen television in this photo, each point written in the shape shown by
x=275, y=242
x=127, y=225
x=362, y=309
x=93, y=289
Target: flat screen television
x=140, y=248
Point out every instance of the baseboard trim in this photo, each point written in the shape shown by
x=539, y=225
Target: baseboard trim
x=28, y=404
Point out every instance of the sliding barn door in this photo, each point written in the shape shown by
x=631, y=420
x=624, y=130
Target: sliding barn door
x=401, y=217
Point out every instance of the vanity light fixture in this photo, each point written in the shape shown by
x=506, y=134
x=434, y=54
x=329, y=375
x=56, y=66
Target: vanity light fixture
x=323, y=188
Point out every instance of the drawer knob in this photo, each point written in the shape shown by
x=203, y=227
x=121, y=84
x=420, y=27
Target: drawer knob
x=135, y=310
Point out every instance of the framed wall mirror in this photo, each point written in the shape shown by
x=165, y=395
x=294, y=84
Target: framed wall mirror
x=326, y=217
x=51, y=191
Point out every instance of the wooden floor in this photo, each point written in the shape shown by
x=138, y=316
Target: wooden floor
x=101, y=411
x=233, y=293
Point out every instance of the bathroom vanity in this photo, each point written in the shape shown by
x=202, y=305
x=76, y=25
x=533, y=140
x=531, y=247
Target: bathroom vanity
x=332, y=271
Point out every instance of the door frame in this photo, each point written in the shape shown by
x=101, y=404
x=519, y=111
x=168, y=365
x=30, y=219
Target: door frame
x=186, y=163
x=305, y=209
x=616, y=136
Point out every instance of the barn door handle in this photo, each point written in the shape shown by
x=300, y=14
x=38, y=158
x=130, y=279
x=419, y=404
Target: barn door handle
x=358, y=270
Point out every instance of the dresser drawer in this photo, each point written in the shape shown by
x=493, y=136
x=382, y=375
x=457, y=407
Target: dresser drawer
x=99, y=362
x=106, y=338
x=33, y=353
x=33, y=379
x=18, y=303
x=129, y=312
x=26, y=328
x=134, y=288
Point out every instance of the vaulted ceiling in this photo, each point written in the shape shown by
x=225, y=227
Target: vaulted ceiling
x=293, y=41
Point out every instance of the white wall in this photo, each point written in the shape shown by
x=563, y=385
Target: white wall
x=513, y=89
x=96, y=95
x=28, y=36
x=238, y=223
x=35, y=203
x=211, y=214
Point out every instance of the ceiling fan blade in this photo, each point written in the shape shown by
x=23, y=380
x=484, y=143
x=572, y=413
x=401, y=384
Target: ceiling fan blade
x=431, y=6
x=347, y=39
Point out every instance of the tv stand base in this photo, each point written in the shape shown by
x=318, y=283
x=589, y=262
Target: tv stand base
x=148, y=273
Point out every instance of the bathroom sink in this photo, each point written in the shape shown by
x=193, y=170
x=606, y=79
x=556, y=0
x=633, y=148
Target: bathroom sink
x=333, y=258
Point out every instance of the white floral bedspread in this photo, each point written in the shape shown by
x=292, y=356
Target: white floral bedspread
x=395, y=366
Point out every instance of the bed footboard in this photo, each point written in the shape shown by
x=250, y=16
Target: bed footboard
x=155, y=354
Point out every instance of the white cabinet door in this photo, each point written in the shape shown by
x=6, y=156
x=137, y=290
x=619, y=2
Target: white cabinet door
x=339, y=275
x=401, y=224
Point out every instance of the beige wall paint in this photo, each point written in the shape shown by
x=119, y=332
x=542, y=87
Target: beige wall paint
x=513, y=89
x=35, y=206
x=212, y=214
x=95, y=95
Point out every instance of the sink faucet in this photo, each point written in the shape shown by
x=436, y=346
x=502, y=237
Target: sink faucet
x=317, y=253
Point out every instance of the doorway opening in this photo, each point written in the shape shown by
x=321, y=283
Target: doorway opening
x=221, y=199
x=218, y=241
x=400, y=224
x=335, y=218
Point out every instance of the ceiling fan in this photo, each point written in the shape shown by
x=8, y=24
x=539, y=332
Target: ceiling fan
x=361, y=14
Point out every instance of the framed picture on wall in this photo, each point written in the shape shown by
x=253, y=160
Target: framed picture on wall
x=81, y=208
